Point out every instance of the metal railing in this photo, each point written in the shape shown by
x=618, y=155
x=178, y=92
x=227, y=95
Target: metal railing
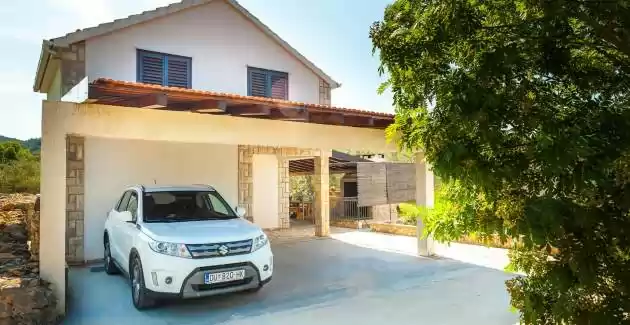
x=347, y=208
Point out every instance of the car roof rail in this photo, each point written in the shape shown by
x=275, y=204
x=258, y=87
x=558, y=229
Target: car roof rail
x=205, y=185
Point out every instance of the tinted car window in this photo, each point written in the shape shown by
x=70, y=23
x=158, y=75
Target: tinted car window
x=177, y=206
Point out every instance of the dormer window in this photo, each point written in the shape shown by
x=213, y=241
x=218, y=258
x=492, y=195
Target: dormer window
x=267, y=83
x=164, y=69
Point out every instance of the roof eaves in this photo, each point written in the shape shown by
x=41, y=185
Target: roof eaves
x=250, y=99
x=42, y=64
x=105, y=28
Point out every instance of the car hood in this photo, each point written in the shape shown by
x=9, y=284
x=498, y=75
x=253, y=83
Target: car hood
x=202, y=232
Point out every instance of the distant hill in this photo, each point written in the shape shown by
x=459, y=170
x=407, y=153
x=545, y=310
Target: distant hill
x=34, y=144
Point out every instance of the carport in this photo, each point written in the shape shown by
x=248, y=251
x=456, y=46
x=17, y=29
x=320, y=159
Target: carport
x=128, y=133
x=328, y=281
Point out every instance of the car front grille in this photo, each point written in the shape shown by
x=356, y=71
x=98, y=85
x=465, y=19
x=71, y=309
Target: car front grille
x=220, y=249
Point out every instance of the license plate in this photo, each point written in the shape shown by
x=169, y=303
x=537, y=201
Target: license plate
x=219, y=277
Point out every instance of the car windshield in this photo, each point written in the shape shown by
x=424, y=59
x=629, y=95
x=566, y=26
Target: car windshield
x=181, y=206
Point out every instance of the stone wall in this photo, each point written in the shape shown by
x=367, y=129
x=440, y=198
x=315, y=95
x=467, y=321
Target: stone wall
x=72, y=66
x=394, y=229
x=24, y=297
x=75, y=190
x=385, y=212
x=321, y=189
x=245, y=177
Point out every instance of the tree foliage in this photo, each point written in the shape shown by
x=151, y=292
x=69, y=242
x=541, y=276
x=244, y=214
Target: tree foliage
x=525, y=104
x=19, y=169
x=12, y=151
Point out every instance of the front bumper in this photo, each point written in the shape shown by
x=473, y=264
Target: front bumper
x=187, y=275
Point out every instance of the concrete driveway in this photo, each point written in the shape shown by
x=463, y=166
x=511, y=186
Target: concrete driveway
x=319, y=281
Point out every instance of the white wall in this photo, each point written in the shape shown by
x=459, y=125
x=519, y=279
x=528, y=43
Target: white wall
x=111, y=165
x=221, y=42
x=163, y=125
x=54, y=92
x=78, y=93
x=265, y=196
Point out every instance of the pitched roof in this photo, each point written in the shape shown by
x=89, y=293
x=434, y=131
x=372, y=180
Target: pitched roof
x=105, y=28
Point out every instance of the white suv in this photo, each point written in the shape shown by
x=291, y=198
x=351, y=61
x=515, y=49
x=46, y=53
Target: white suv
x=183, y=242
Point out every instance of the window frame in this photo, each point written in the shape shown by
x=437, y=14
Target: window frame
x=134, y=218
x=268, y=84
x=124, y=198
x=140, y=53
x=214, y=194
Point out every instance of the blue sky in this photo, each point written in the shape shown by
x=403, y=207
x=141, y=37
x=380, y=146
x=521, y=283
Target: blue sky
x=331, y=33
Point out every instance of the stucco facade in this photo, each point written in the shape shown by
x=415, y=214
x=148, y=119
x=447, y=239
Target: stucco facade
x=221, y=42
x=113, y=146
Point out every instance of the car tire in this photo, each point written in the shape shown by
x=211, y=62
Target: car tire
x=108, y=261
x=139, y=293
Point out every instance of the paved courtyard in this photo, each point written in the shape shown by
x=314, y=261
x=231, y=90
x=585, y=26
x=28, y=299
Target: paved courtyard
x=348, y=280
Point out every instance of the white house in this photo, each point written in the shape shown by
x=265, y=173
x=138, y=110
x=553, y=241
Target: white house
x=199, y=91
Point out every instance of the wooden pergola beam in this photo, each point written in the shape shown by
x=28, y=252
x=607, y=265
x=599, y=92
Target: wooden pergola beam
x=352, y=120
x=249, y=110
x=382, y=123
x=210, y=106
x=327, y=118
x=154, y=100
x=290, y=114
x=111, y=92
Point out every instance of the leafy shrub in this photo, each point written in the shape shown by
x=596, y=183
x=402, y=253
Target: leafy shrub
x=409, y=213
x=19, y=169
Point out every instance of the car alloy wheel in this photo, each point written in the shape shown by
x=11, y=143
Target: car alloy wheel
x=140, y=296
x=108, y=261
x=136, y=283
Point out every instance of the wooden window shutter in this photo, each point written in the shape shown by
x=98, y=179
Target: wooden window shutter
x=178, y=72
x=257, y=83
x=267, y=83
x=279, y=85
x=150, y=68
x=164, y=69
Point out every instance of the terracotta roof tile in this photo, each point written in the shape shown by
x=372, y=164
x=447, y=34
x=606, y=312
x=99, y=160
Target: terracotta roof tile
x=258, y=100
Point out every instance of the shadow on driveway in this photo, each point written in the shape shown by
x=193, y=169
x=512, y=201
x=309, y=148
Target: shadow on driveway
x=321, y=281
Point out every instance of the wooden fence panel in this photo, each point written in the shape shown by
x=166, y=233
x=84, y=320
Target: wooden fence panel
x=371, y=184
x=401, y=182
x=385, y=183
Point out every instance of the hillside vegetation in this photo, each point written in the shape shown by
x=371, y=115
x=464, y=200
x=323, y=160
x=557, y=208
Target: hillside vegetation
x=33, y=144
x=19, y=167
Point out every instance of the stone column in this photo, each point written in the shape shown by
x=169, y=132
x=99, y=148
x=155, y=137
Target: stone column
x=322, y=194
x=424, y=197
x=75, y=172
x=284, y=192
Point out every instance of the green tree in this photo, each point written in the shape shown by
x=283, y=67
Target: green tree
x=19, y=169
x=523, y=107
x=12, y=151
x=301, y=188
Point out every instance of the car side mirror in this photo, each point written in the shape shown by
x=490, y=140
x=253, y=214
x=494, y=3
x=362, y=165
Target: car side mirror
x=125, y=216
x=240, y=212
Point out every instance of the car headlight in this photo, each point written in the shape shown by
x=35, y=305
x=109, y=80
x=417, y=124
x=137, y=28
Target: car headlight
x=259, y=242
x=179, y=250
